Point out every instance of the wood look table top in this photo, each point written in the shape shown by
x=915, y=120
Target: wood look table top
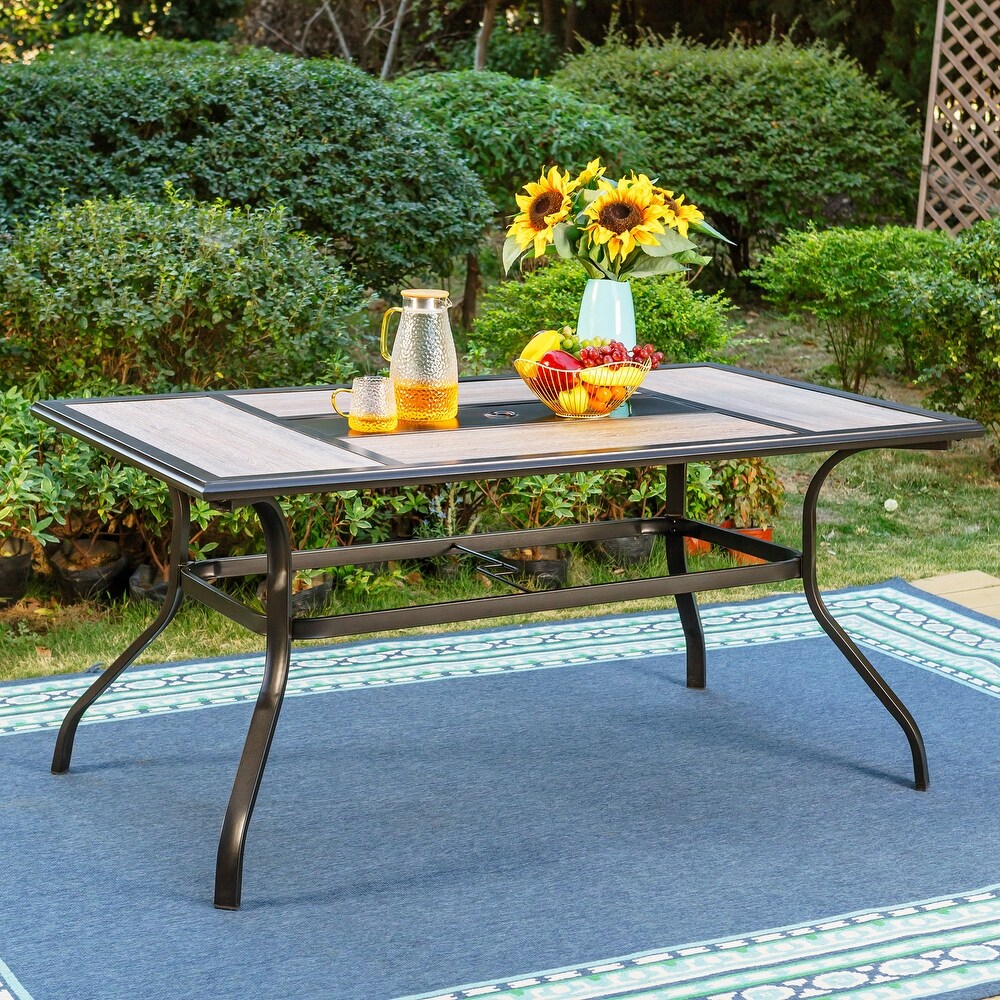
x=246, y=445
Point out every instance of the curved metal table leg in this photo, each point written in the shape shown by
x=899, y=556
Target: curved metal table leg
x=857, y=659
x=250, y=772
x=687, y=606
x=179, y=537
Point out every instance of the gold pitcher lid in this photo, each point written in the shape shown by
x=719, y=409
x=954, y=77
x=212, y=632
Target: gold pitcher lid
x=432, y=300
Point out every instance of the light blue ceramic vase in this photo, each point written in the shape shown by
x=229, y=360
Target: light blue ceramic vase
x=606, y=311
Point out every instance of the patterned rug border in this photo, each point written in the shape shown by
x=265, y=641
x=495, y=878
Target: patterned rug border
x=908, y=950
x=10, y=987
x=931, y=635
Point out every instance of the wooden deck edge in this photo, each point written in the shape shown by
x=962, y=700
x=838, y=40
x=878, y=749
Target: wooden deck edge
x=973, y=589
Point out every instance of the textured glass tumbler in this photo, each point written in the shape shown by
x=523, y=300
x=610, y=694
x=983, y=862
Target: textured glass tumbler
x=373, y=404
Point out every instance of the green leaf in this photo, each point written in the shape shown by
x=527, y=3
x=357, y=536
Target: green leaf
x=692, y=257
x=704, y=227
x=655, y=265
x=667, y=244
x=564, y=237
x=602, y=271
x=511, y=254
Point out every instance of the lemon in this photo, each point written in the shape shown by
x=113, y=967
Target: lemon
x=575, y=401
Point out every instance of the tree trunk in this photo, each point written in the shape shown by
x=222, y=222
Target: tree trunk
x=485, y=30
x=471, y=292
x=549, y=22
x=397, y=30
x=569, y=27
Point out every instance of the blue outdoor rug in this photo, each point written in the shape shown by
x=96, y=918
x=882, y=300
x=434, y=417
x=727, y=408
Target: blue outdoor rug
x=542, y=812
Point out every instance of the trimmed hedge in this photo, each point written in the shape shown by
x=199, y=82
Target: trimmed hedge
x=762, y=138
x=507, y=129
x=687, y=325
x=134, y=296
x=318, y=136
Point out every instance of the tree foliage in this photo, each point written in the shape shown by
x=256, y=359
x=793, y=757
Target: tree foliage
x=25, y=28
x=891, y=39
x=255, y=129
x=761, y=138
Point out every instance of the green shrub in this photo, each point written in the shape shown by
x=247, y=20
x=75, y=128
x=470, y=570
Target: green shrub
x=957, y=306
x=149, y=297
x=318, y=136
x=761, y=138
x=507, y=129
x=844, y=278
x=32, y=498
x=685, y=324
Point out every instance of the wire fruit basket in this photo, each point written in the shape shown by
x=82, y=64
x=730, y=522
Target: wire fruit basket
x=586, y=393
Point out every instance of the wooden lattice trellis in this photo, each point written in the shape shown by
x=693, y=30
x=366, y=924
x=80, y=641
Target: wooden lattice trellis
x=960, y=172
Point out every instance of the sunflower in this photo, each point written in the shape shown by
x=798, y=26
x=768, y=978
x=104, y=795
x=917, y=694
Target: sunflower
x=592, y=170
x=677, y=215
x=624, y=216
x=546, y=203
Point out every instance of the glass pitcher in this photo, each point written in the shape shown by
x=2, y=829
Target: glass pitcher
x=422, y=365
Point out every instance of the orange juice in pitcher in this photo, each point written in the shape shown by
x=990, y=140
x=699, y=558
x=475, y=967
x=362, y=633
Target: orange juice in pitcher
x=423, y=364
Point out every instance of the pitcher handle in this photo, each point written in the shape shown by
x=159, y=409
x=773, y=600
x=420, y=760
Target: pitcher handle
x=385, y=331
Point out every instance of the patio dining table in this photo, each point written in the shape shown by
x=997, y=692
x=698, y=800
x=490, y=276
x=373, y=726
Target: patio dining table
x=253, y=447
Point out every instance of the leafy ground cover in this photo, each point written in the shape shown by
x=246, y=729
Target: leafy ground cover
x=947, y=519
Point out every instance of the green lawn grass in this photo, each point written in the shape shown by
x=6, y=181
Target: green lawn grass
x=947, y=520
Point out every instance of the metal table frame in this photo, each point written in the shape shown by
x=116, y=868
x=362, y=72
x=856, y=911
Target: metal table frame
x=196, y=579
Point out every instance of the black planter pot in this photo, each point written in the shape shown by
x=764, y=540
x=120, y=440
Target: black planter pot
x=78, y=582
x=15, y=570
x=303, y=601
x=143, y=585
x=547, y=567
x=627, y=550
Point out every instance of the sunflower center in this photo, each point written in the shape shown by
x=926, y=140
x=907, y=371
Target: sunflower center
x=671, y=204
x=545, y=204
x=619, y=216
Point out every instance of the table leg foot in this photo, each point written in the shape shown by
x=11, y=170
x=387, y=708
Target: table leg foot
x=687, y=605
x=250, y=772
x=687, y=610
x=172, y=601
x=854, y=656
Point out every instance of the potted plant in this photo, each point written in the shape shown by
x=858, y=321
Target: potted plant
x=30, y=496
x=751, y=495
x=21, y=493
x=623, y=494
x=703, y=501
x=532, y=502
x=616, y=231
x=642, y=493
x=88, y=561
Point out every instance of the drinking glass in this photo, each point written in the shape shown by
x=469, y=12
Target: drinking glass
x=373, y=404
